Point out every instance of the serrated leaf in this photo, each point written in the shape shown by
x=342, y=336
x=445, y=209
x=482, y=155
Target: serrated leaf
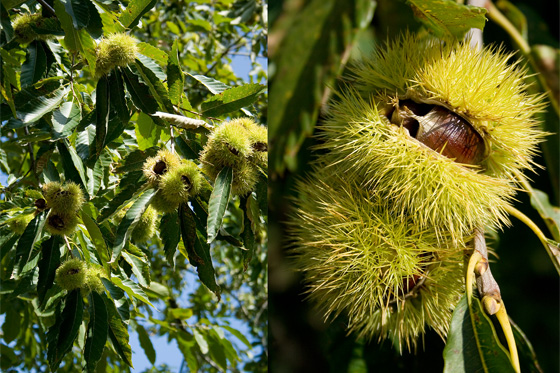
x=65, y=119
x=446, y=18
x=214, y=86
x=118, y=332
x=199, y=255
x=232, y=99
x=129, y=222
x=154, y=53
x=175, y=78
x=26, y=241
x=119, y=299
x=102, y=108
x=65, y=329
x=472, y=344
x=97, y=332
x=152, y=66
x=157, y=89
x=118, y=100
x=120, y=200
x=134, y=11
x=309, y=62
x=84, y=15
x=37, y=106
x=96, y=237
x=170, y=234
x=132, y=289
x=48, y=26
x=50, y=261
x=35, y=65
x=72, y=164
x=218, y=202
x=134, y=161
x=146, y=343
x=140, y=267
x=139, y=92
x=100, y=171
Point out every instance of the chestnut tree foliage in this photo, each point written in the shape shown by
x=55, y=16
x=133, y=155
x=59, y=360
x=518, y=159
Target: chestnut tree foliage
x=65, y=121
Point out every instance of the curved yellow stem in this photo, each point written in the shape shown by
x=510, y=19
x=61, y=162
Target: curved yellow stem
x=503, y=319
x=475, y=258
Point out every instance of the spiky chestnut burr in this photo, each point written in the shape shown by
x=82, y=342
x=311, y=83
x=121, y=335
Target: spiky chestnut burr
x=181, y=183
x=117, y=49
x=155, y=167
x=438, y=129
x=61, y=223
x=93, y=280
x=258, y=137
x=67, y=198
x=23, y=28
x=71, y=274
x=389, y=277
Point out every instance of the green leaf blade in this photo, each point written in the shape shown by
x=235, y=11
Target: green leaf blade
x=146, y=343
x=232, y=99
x=103, y=105
x=50, y=261
x=25, y=244
x=170, y=235
x=134, y=11
x=97, y=333
x=35, y=65
x=218, y=202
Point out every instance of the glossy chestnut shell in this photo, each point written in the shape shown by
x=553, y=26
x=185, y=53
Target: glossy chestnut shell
x=441, y=130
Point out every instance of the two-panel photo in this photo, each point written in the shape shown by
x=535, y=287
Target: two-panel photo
x=342, y=186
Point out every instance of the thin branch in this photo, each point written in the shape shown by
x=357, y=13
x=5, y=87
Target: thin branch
x=47, y=7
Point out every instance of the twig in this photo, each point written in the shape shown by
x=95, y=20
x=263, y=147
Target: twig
x=69, y=248
x=200, y=115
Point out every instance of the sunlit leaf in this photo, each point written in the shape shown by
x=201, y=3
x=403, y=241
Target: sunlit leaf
x=35, y=65
x=170, y=234
x=134, y=11
x=98, y=327
x=232, y=99
x=146, y=343
x=218, y=202
x=27, y=240
x=118, y=332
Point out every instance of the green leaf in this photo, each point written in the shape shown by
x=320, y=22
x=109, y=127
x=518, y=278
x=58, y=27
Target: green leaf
x=120, y=200
x=472, y=344
x=96, y=237
x=37, y=106
x=132, y=289
x=12, y=325
x=186, y=344
x=180, y=313
x=527, y=357
x=134, y=11
x=134, y=161
x=548, y=212
x=170, y=234
x=175, y=78
x=199, y=255
x=310, y=59
x=100, y=171
x=200, y=341
x=146, y=343
x=26, y=241
x=118, y=332
x=154, y=53
x=140, y=92
x=232, y=99
x=35, y=65
x=157, y=89
x=248, y=234
x=238, y=334
x=72, y=164
x=102, y=108
x=128, y=223
x=50, y=261
x=98, y=328
x=65, y=330
x=218, y=202
x=118, y=100
x=140, y=267
x=446, y=18
x=147, y=132
x=119, y=297
x=84, y=15
x=214, y=86
x=65, y=119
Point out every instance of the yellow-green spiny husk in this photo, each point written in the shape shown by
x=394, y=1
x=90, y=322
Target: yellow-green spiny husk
x=23, y=28
x=71, y=274
x=181, y=183
x=117, y=49
x=146, y=226
x=67, y=198
x=389, y=277
x=93, y=280
x=258, y=137
x=61, y=223
x=162, y=204
x=155, y=167
x=480, y=87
